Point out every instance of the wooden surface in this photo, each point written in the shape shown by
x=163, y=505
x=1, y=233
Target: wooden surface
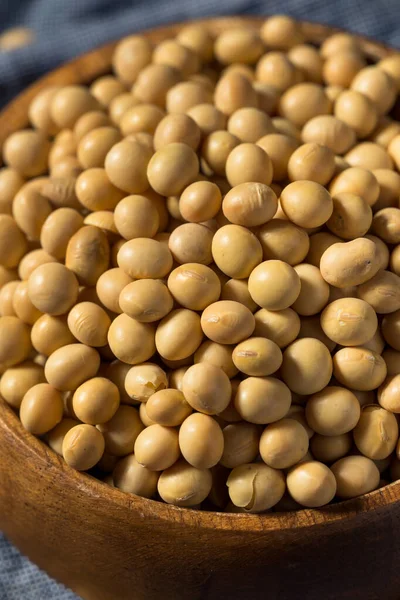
x=107, y=545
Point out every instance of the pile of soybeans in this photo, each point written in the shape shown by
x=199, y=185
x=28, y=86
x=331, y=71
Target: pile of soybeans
x=200, y=270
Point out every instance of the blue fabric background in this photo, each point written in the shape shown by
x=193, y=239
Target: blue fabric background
x=67, y=28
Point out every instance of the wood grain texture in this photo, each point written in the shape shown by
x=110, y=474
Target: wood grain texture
x=107, y=545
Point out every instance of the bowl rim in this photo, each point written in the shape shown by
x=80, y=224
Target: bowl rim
x=44, y=458
x=14, y=116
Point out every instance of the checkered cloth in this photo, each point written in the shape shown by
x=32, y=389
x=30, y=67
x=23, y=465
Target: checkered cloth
x=67, y=28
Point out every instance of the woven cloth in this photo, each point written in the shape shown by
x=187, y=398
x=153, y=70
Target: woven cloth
x=67, y=28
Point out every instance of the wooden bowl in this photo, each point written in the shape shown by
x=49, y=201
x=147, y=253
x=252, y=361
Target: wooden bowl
x=108, y=545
